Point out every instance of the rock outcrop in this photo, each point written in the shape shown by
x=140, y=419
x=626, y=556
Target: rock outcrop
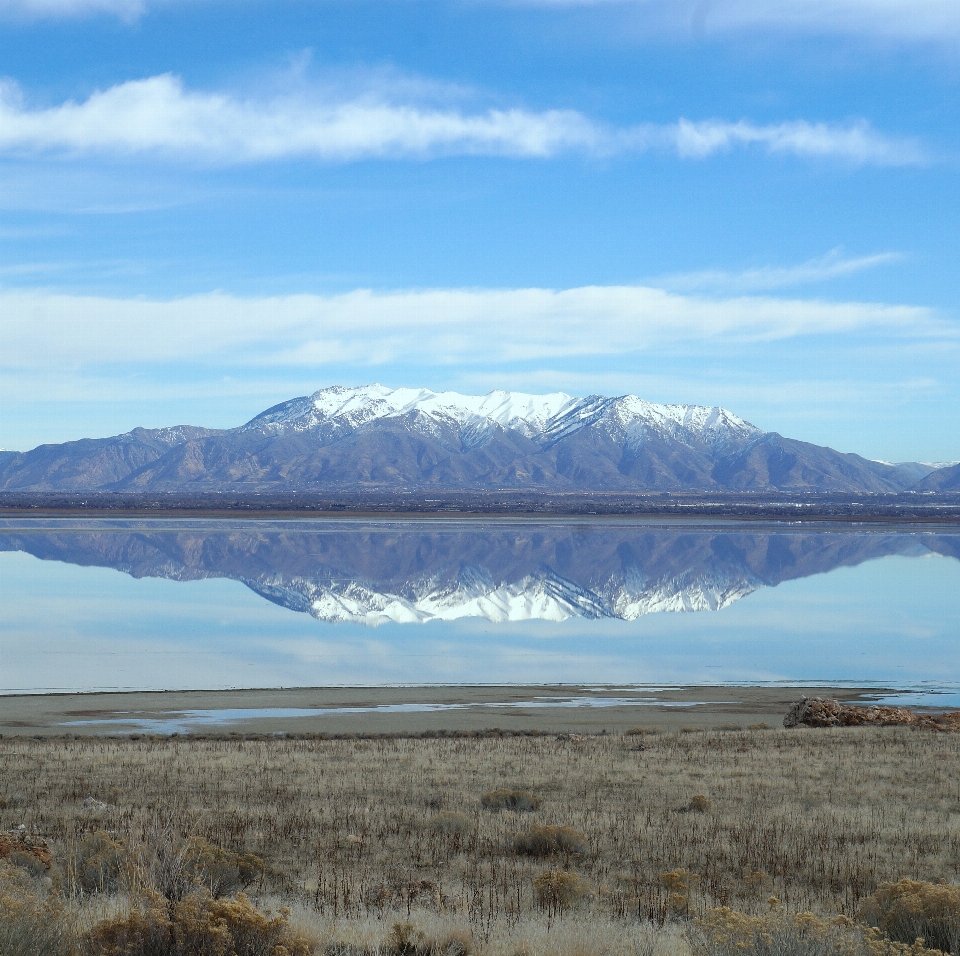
x=819, y=712
x=18, y=845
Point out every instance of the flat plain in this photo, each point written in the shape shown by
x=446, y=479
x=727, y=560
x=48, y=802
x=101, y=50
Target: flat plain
x=409, y=710
x=359, y=835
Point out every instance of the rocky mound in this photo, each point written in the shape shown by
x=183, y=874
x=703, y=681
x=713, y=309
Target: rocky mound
x=818, y=712
x=17, y=845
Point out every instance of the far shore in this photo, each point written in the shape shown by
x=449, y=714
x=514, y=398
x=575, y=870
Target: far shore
x=410, y=710
x=482, y=504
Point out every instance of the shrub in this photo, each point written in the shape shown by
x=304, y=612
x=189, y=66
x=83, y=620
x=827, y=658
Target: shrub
x=28, y=863
x=912, y=909
x=220, y=871
x=549, y=841
x=97, y=863
x=679, y=882
x=451, y=824
x=198, y=925
x=725, y=932
x=557, y=890
x=504, y=799
x=29, y=924
x=405, y=939
x=177, y=867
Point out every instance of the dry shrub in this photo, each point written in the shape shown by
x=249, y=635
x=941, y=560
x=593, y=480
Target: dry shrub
x=405, y=939
x=97, y=863
x=679, y=882
x=223, y=873
x=197, y=925
x=725, y=932
x=558, y=890
x=30, y=925
x=504, y=799
x=550, y=841
x=912, y=909
x=28, y=863
x=176, y=867
x=451, y=824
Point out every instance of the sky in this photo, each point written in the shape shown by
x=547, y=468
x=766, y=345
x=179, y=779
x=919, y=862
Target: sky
x=210, y=207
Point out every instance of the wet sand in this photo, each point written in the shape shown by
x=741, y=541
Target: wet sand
x=409, y=710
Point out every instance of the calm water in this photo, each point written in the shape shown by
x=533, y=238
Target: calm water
x=93, y=604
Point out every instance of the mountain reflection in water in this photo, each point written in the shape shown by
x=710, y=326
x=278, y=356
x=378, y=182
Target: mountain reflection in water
x=501, y=572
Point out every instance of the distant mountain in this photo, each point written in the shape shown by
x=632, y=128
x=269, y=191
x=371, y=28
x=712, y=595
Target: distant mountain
x=379, y=438
x=500, y=572
x=943, y=479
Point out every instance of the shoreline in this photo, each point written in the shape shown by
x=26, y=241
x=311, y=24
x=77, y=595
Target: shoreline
x=412, y=710
x=477, y=505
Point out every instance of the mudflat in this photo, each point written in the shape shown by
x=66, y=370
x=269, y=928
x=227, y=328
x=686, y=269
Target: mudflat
x=411, y=710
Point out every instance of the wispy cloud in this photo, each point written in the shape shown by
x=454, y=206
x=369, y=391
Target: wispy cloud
x=833, y=265
x=59, y=9
x=442, y=326
x=160, y=116
x=893, y=19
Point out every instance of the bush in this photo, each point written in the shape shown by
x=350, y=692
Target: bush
x=504, y=799
x=557, y=890
x=198, y=925
x=29, y=924
x=725, y=932
x=549, y=841
x=97, y=863
x=177, y=867
x=679, y=882
x=223, y=873
x=27, y=862
x=451, y=824
x=407, y=940
x=912, y=909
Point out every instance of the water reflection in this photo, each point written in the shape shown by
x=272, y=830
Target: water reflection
x=293, y=604
x=416, y=573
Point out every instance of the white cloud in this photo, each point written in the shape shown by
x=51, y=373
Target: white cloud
x=57, y=9
x=892, y=19
x=159, y=116
x=831, y=266
x=441, y=326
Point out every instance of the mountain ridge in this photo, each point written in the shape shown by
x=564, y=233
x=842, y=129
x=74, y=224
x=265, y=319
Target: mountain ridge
x=373, y=437
x=498, y=573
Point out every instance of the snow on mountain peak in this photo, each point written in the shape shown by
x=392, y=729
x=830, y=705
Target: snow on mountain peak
x=542, y=417
x=509, y=409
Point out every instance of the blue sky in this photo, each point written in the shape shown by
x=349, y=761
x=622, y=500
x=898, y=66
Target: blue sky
x=206, y=208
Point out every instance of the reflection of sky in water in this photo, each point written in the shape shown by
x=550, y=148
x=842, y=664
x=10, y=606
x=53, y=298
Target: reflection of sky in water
x=184, y=720
x=894, y=620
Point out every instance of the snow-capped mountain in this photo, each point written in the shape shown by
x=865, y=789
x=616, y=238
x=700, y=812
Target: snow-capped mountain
x=501, y=572
x=543, y=596
x=542, y=418
x=414, y=439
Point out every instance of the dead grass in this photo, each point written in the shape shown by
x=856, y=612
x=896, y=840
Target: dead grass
x=351, y=833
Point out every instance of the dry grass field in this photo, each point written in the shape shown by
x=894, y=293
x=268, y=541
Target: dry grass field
x=609, y=843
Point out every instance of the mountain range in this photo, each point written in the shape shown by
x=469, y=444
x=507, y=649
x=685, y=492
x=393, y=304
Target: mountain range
x=373, y=437
x=500, y=572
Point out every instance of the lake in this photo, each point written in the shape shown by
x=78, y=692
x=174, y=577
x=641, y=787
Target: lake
x=93, y=604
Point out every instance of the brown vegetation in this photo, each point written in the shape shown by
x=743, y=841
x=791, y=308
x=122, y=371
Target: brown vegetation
x=351, y=835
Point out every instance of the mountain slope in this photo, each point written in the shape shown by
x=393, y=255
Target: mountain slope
x=943, y=479
x=92, y=462
x=374, y=437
